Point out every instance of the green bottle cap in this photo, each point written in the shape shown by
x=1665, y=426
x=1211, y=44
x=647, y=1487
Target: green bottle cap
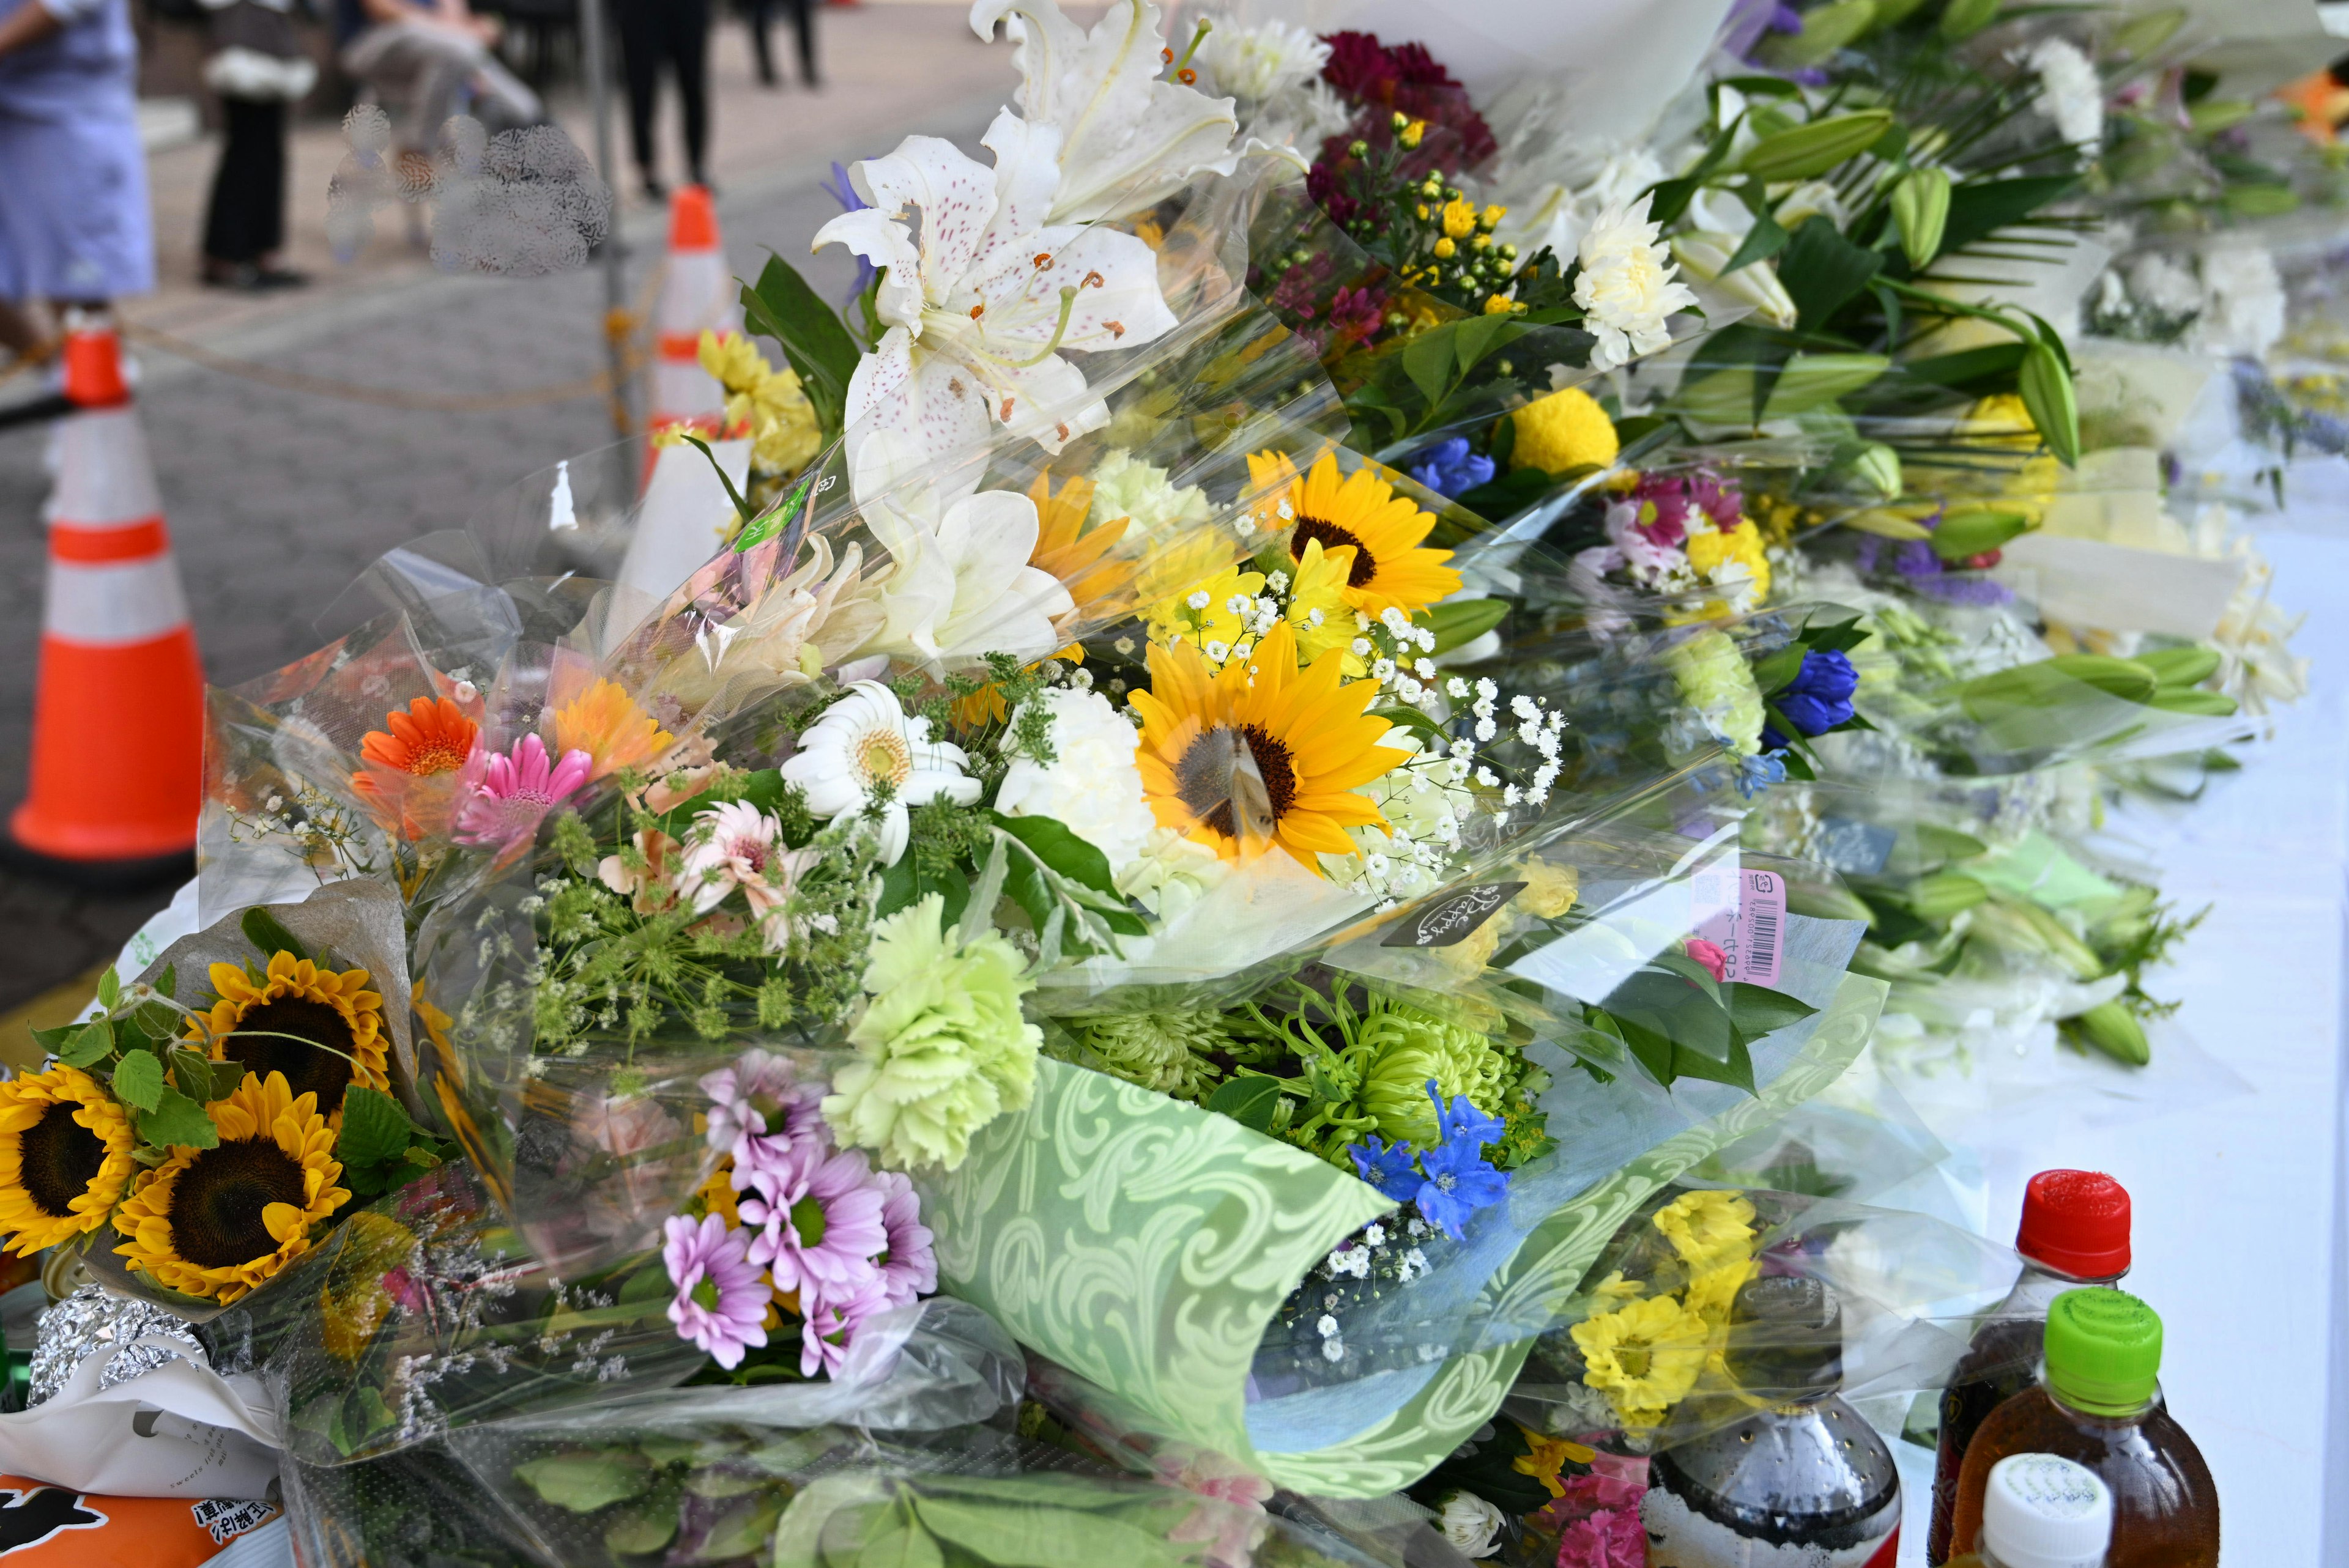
x=2104, y=1351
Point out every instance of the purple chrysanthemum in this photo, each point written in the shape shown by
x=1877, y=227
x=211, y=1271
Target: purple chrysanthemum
x=817, y=1222
x=720, y=1301
x=909, y=1268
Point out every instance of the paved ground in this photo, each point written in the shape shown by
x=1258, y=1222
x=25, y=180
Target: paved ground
x=278, y=499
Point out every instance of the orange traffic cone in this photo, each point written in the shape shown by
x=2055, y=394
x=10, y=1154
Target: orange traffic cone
x=697, y=293
x=117, y=718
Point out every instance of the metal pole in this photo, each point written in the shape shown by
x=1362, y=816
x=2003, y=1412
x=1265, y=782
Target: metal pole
x=615, y=258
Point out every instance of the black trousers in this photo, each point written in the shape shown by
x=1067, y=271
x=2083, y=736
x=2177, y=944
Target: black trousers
x=803, y=14
x=675, y=33
x=247, y=218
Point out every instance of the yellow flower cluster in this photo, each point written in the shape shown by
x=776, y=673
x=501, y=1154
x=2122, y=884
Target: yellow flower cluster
x=1646, y=1355
x=766, y=401
x=1563, y=431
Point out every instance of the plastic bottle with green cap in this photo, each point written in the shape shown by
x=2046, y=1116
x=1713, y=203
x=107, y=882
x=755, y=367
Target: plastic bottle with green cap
x=2099, y=1404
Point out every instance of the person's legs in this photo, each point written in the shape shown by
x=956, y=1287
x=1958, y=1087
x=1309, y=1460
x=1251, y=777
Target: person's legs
x=755, y=18
x=244, y=221
x=640, y=28
x=804, y=24
x=502, y=100
x=689, y=48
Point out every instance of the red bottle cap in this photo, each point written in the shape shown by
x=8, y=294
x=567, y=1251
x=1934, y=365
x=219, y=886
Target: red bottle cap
x=2076, y=1223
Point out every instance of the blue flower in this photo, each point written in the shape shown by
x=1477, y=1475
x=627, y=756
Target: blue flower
x=1387, y=1170
x=1819, y=697
x=1449, y=468
x=843, y=190
x=1459, y=1183
x=1464, y=1121
x=1755, y=774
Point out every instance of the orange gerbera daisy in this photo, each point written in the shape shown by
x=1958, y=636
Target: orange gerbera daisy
x=409, y=780
x=1262, y=753
x=1389, y=568
x=605, y=722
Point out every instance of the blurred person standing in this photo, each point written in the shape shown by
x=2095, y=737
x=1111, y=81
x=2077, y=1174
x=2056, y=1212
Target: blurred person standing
x=676, y=34
x=75, y=228
x=803, y=14
x=429, y=59
x=260, y=71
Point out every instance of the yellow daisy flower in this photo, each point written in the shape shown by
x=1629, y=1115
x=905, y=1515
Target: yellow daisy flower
x=1742, y=545
x=1260, y=753
x=1706, y=1227
x=1712, y=1291
x=1644, y=1356
x=323, y=1029
x=1201, y=613
x=219, y=1222
x=65, y=1158
x=1391, y=568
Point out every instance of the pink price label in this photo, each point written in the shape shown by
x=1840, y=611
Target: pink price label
x=1749, y=934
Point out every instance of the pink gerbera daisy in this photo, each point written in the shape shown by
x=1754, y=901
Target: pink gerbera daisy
x=818, y=1222
x=909, y=1268
x=721, y=1302
x=506, y=797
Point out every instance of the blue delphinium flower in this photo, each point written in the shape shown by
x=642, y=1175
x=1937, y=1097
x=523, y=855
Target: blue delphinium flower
x=1755, y=774
x=1449, y=468
x=1387, y=1170
x=1464, y=1121
x=1459, y=1180
x=1818, y=697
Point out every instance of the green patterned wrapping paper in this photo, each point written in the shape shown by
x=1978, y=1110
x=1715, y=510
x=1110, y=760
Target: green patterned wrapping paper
x=1146, y=1244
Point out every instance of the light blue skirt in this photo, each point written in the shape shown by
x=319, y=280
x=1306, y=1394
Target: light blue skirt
x=74, y=219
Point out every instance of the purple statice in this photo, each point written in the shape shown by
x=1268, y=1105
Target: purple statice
x=1916, y=563
x=721, y=1302
x=1449, y=468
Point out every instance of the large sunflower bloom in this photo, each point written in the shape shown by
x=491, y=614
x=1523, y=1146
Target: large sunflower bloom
x=252, y=1018
x=219, y=1222
x=410, y=766
x=65, y=1158
x=1360, y=512
x=605, y=722
x=1262, y=753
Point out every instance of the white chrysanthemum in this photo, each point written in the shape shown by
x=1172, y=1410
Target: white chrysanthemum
x=1092, y=786
x=1627, y=290
x=2163, y=283
x=1470, y=1523
x=1258, y=64
x=2242, y=302
x=1125, y=486
x=2070, y=92
x=864, y=741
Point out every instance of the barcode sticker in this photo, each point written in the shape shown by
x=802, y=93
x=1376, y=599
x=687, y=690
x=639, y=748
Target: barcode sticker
x=1748, y=932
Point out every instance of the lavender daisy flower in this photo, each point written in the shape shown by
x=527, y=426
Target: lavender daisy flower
x=761, y=1094
x=909, y=1267
x=818, y=1222
x=721, y=1299
x=830, y=1324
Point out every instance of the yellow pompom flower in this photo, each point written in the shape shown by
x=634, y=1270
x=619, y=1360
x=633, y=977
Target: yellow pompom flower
x=1644, y=1356
x=1459, y=219
x=219, y=1222
x=1445, y=248
x=65, y=1158
x=321, y=1029
x=1568, y=429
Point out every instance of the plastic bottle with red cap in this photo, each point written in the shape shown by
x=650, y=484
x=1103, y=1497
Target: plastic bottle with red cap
x=2075, y=1232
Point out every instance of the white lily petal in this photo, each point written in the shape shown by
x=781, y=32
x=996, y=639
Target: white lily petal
x=1027, y=172
x=1117, y=302
x=931, y=408
x=889, y=245
x=956, y=195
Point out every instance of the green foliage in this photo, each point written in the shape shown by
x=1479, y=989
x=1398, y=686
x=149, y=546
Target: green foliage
x=782, y=306
x=177, y=1120
x=264, y=931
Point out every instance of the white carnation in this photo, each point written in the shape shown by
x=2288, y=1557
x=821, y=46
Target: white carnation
x=2070, y=92
x=1627, y=289
x=1172, y=873
x=1092, y=786
x=2242, y=302
x=1125, y=486
x=1256, y=65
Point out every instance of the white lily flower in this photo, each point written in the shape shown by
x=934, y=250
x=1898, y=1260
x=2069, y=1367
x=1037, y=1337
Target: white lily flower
x=1702, y=253
x=864, y=740
x=1128, y=138
x=960, y=586
x=981, y=305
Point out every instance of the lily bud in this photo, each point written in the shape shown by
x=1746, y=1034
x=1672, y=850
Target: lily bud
x=2113, y=1029
x=1703, y=253
x=2045, y=386
x=1920, y=206
x=1878, y=467
x=1805, y=151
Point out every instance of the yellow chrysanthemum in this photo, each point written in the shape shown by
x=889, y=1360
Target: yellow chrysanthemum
x=1550, y=890
x=1262, y=753
x=1644, y=1356
x=769, y=403
x=1706, y=1228
x=1742, y=545
x=605, y=722
x=1459, y=219
x=1391, y=568
x=1711, y=1291
x=1568, y=429
x=1317, y=612
x=65, y=1158
x=323, y=1029
x=219, y=1222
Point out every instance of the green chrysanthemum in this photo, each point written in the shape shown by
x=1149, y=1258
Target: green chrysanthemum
x=1166, y=1051
x=1399, y=1047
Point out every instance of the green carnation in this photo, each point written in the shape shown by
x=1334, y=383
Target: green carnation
x=942, y=1048
x=1166, y=1051
x=1719, y=684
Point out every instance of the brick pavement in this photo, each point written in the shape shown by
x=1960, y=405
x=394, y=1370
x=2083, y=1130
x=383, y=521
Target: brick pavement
x=276, y=499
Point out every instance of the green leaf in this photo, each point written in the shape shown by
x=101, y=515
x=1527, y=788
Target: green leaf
x=1976, y=531
x=894, y=1540
x=585, y=1482
x=53, y=1041
x=1977, y=372
x=644, y=1529
x=1764, y=240
x=1757, y=1009
x=2182, y=666
x=193, y=1075
x=110, y=989
x=1247, y=1100
x=139, y=1080
x=742, y=507
x=375, y=1130
x=905, y=883
x=1822, y=271
x=1427, y=360
x=167, y=982
x=94, y=1044
x=1019, y=1536
x=1964, y=18
x=1779, y=668
x=1690, y=970
x=1651, y=1048
x=1059, y=847
x=264, y=930
x=1676, y=1008
x=776, y=518
x=1981, y=207
x=177, y=1122
x=1460, y=622
x=782, y=306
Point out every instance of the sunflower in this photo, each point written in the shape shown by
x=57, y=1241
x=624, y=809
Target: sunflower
x=65, y=1158
x=1074, y=555
x=1260, y=753
x=336, y=1022
x=410, y=778
x=219, y=1222
x=1389, y=568
x=605, y=722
